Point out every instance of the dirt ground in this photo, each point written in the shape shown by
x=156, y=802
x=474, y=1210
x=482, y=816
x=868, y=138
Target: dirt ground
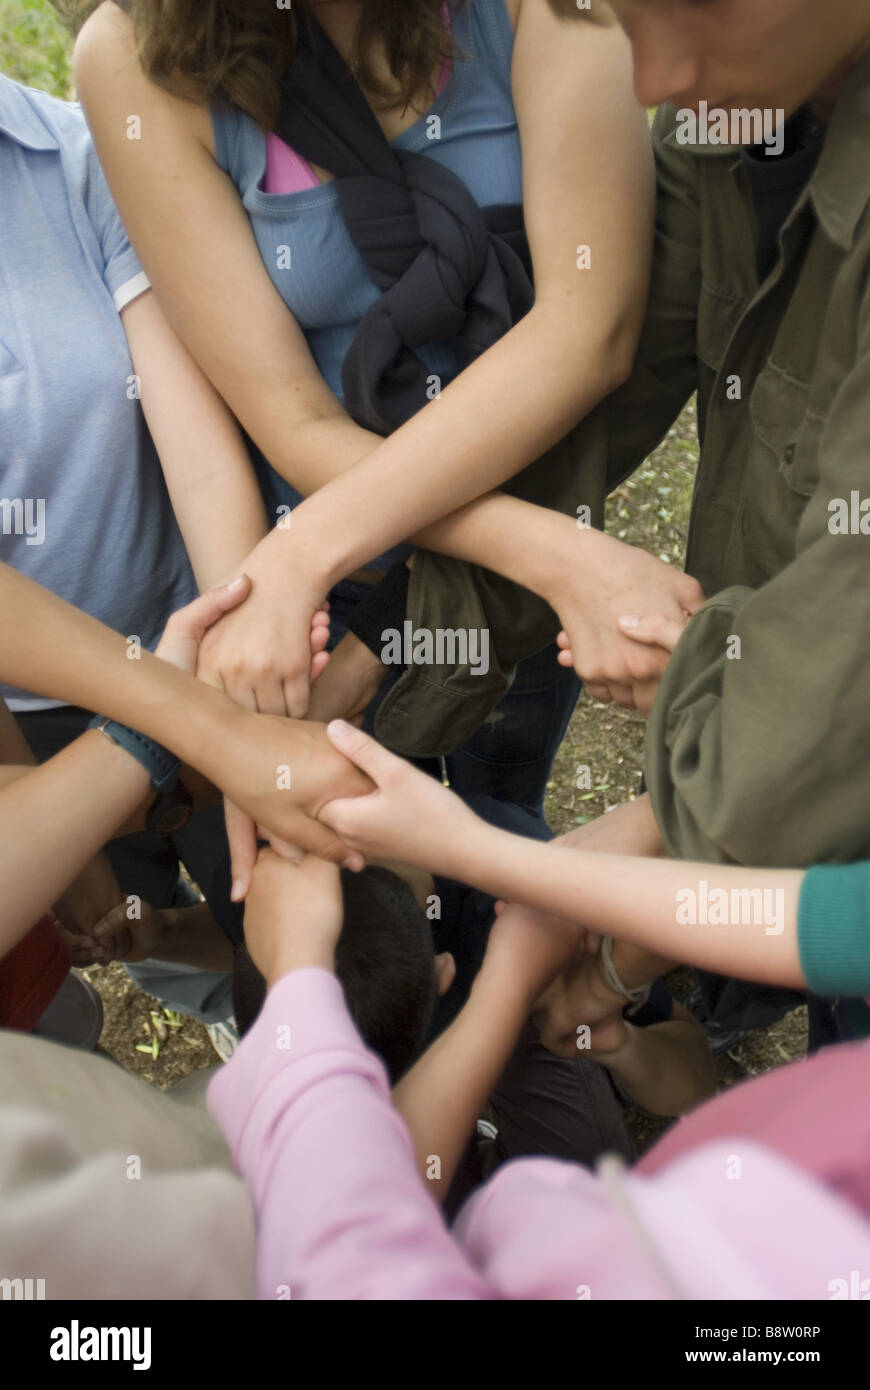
x=650, y=510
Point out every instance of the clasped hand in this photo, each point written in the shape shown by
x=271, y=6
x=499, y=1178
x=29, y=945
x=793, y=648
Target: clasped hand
x=621, y=661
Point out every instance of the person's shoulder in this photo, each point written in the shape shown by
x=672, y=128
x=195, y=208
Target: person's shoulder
x=108, y=29
x=106, y=44
x=79, y=172
x=27, y=113
x=109, y=76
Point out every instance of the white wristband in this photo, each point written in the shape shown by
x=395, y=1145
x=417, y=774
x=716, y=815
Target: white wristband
x=637, y=996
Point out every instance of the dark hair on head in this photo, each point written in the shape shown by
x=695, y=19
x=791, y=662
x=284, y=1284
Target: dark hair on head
x=385, y=961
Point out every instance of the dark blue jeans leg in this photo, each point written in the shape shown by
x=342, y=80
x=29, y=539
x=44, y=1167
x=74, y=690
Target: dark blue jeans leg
x=511, y=756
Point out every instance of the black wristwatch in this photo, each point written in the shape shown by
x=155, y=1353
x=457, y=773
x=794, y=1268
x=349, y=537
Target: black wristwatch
x=173, y=805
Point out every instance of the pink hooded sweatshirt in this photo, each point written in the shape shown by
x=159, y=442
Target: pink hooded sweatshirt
x=342, y=1213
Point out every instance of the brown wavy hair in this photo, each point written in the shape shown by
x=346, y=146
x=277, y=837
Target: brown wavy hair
x=237, y=51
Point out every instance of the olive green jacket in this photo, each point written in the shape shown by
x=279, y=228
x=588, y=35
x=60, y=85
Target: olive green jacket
x=758, y=747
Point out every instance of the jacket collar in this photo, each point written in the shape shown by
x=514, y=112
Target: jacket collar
x=20, y=120
x=840, y=186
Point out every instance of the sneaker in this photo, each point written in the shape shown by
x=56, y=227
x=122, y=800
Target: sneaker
x=75, y=1015
x=224, y=1037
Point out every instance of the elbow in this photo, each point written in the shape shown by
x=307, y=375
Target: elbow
x=619, y=351
x=602, y=347
x=602, y=352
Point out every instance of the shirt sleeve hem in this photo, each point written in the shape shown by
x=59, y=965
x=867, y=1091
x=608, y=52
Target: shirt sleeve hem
x=130, y=290
x=834, y=929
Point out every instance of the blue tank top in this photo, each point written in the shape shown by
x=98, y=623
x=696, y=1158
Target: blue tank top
x=471, y=129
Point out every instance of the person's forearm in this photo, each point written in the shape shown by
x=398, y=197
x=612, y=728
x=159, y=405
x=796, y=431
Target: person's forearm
x=665, y=1068
x=216, y=500
x=667, y=906
x=14, y=747
x=497, y=416
x=54, y=819
x=440, y=1114
x=514, y=538
x=627, y=829
x=53, y=649
x=209, y=475
x=194, y=938
x=13, y=772
x=487, y=425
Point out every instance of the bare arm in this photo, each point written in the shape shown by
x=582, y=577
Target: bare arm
x=211, y=483
x=667, y=1067
x=642, y=901
x=50, y=647
x=581, y=130
x=627, y=829
x=55, y=819
x=189, y=935
x=439, y=1113
x=648, y=903
x=193, y=937
x=14, y=748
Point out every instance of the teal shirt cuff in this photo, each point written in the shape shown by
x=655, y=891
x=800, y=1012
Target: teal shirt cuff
x=834, y=930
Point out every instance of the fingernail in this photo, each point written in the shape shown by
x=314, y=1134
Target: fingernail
x=237, y=583
x=238, y=890
x=339, y=727
x=631, y=620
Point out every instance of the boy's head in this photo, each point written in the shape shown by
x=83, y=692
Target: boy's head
x=736, y=54
x=385, y=961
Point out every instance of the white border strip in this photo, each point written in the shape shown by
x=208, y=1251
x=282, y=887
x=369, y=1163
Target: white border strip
x=131, y=290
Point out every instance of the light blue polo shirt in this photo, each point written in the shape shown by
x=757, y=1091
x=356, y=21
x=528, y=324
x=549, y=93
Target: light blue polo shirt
x=83, y=506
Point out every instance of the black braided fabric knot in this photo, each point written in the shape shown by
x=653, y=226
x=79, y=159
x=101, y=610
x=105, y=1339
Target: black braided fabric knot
x=442, y=274
x=447, y=269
